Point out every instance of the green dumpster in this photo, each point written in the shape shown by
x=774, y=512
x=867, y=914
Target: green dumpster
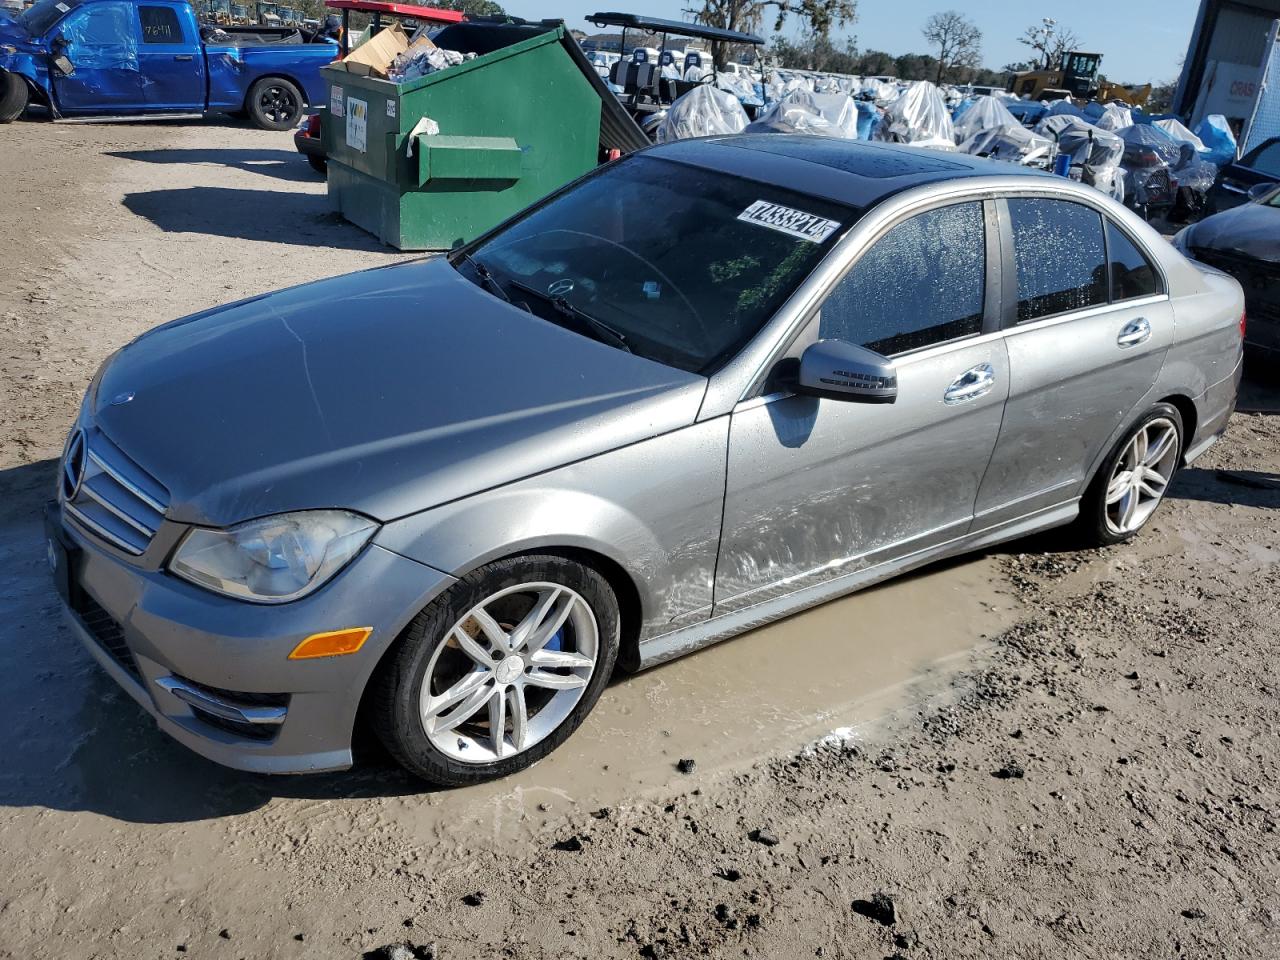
x=515, y=123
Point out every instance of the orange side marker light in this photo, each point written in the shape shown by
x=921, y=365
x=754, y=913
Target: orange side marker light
x=335, y=643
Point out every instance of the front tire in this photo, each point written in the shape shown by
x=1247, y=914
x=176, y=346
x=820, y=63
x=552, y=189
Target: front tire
x=499, y=671
x=274, y=103
x=1134, y=478
x=14, y=96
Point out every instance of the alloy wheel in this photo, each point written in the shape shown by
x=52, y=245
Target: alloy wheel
x=1141, y=476
x=278, y=104
x=509, y=672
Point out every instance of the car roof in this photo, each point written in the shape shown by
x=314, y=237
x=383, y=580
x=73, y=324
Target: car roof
x=854, y=172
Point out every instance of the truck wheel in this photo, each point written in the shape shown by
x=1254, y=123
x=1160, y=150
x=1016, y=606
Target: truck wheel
x=13, y=96
x=275, y=104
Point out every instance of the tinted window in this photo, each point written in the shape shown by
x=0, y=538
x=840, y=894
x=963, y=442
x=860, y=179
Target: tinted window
x=1266, y=159
x=922, y=283
x=1061, y=261
x=1132, y=274
x=687, y=264
x=39, y=17
x=160, y=25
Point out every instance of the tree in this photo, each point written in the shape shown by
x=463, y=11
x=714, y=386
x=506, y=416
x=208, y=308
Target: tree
x=818, y=17
x=876, y=63
x=958, y=39
x=1050, y=40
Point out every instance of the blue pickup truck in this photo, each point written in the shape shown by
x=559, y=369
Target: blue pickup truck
x=98, y=59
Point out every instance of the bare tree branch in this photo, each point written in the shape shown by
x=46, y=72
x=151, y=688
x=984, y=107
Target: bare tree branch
x=958, y=39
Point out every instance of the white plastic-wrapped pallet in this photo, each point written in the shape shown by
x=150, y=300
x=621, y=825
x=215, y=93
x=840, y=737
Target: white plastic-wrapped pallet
x=987, y=113
x=702, y=112
x=919, y=117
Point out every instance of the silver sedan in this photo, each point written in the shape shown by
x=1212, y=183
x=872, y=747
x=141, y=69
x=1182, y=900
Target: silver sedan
x=705, y=387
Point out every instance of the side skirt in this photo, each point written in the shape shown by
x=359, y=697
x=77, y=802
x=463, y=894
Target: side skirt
x=130, y=118
x=677, y=643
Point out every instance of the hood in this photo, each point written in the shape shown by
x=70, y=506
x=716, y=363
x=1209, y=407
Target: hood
x=386, y=392
x=1251, y=229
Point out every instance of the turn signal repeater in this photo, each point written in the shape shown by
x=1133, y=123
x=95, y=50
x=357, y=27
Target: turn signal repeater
x=335, y=643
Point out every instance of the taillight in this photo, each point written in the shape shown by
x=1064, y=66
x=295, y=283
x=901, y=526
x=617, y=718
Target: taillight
x=313, y=126
x=1244, y=322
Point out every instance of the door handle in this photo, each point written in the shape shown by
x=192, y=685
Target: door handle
x=971, y=384
x=1134, y=332
x=183, y=57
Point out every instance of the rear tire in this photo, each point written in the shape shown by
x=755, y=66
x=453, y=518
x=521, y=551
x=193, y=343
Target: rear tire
x=14, y=96
x=275, y=103
x=527, y=643
x=1133, y=479
x=320, y=165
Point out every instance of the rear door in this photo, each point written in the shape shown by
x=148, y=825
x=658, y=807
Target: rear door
x=99, y=41
x=1087, y=328
x=820, y=488
x=173, y=72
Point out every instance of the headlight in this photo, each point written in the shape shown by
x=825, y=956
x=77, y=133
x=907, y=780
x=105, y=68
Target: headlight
x=274, y=559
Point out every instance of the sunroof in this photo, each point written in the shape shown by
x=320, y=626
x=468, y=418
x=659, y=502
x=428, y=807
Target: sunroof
x=864, y=159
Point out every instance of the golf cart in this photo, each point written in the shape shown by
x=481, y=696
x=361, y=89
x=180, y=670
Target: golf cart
x=647, y=85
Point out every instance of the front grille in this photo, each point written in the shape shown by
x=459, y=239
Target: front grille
x=110, y=496
x=108, y=634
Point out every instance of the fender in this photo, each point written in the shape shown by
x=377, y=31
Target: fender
x=669, y=557
x=31, y=65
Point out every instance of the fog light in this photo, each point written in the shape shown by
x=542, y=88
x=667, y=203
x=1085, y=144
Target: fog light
x=335, y=643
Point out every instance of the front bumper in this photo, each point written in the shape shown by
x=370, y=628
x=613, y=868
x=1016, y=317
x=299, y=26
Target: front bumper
x=214, y=672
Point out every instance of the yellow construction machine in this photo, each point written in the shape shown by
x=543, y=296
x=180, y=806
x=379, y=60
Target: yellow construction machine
x=1075, y=78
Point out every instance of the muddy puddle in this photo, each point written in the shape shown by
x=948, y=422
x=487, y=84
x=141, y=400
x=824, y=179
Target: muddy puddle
x=841, y=665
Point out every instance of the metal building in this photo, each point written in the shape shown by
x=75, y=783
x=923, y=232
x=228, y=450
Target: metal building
x=1224, y=61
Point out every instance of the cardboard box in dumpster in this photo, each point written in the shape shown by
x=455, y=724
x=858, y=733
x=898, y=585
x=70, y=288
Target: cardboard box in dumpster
x=373, y=57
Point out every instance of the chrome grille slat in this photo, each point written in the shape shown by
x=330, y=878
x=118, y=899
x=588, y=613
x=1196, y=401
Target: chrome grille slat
x=115, y=500
x=115, y=474
x=97, y=528
x=146, y=531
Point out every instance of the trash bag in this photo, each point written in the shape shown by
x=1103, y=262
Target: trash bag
x=1012, y=142
x=919, y=116
x=420, y=61
x=987, y=113
x=1219, y=142
x=702, y=112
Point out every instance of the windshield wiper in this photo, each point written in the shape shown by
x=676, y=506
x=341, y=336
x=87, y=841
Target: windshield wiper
x=486, y=277
x=597, y=328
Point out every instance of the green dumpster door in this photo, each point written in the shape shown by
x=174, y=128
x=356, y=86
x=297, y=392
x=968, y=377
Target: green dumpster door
x=513, y=124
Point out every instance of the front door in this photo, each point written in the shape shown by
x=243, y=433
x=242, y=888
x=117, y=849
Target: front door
x=820, y=488
x=100, y=42
x=172, y=62
x=1092, y=328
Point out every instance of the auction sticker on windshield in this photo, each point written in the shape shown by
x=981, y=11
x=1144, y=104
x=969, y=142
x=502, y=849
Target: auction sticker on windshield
x=796, y=223
x=357, y=123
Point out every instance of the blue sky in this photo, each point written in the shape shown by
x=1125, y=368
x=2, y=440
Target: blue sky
x=1140, y=40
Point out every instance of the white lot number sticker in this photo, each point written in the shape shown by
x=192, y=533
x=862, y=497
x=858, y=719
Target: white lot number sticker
x=796, y=223
x=335, y=101
x=391, y=108
x=357, y=123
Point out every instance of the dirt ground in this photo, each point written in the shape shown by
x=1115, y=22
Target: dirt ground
x=1057, y=754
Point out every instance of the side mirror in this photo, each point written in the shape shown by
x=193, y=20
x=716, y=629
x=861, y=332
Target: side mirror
x=1260, y=190
x=842, y=371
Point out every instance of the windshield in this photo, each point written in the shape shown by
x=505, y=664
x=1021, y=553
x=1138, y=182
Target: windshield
x=37, y=19
x=677, y=264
